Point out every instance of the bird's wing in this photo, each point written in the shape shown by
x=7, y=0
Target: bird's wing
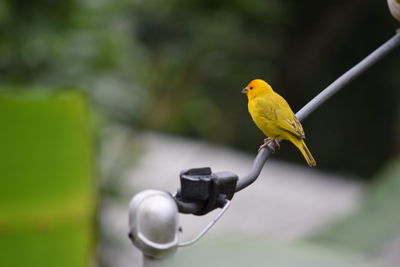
x=286, y=118
x=281, y=114
x=292, y=125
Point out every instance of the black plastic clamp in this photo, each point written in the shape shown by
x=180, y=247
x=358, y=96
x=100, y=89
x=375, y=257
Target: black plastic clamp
x=206, y=189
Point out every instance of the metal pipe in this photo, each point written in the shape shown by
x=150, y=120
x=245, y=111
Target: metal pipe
x=255, y=170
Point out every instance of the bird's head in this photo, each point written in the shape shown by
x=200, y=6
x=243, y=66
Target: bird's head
x=256, y=88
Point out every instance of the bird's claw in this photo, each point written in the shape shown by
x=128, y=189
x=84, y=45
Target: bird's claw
x=271, y=143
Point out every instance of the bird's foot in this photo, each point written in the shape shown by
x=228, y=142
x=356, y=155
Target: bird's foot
x=271, y=143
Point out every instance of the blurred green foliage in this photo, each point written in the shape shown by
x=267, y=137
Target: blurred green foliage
x=377, y=223
x=178, y=66
x=47, y=191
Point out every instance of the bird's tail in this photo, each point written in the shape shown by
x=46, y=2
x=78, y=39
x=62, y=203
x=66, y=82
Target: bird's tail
x=301, y=145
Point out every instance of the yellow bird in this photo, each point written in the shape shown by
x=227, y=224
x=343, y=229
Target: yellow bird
x=273, y=116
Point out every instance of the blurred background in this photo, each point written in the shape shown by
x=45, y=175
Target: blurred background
x=99, y=98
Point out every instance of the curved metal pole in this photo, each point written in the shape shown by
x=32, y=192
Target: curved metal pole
x=321, y=98
x=255, y=170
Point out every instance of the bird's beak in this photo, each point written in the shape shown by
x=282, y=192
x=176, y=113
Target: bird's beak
x=245, y=90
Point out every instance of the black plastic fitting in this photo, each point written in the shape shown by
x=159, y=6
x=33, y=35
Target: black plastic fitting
x=203, y=191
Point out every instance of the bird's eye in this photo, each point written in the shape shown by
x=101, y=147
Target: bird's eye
x=251, y=87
